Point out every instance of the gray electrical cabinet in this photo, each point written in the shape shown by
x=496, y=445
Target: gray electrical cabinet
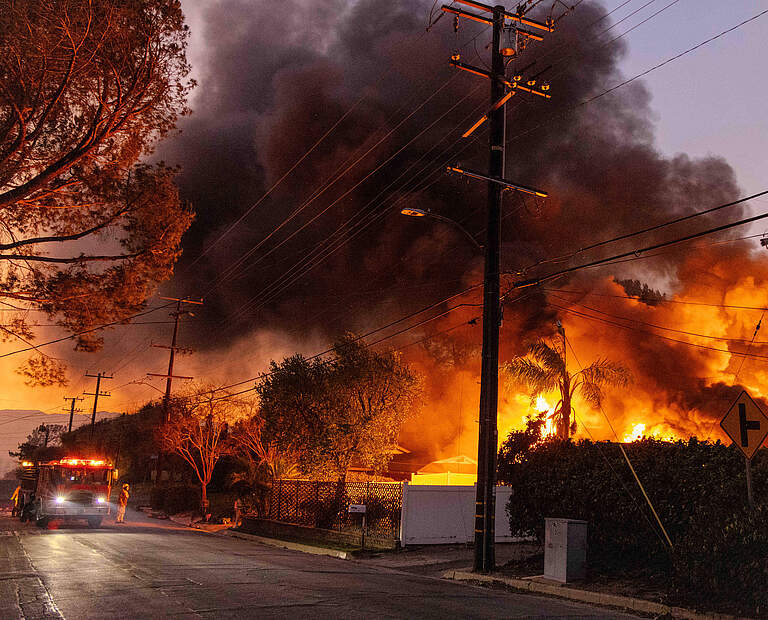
x=565, y=549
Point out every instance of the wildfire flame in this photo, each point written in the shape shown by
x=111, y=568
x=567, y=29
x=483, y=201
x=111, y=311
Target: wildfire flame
x=637, y=432
x=542, y=406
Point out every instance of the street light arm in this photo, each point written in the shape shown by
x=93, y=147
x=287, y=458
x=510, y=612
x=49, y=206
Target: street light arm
x=455, y=224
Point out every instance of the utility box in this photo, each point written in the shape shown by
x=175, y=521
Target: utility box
x=565, y=549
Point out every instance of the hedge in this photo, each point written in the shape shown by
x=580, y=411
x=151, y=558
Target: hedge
x=697, y=488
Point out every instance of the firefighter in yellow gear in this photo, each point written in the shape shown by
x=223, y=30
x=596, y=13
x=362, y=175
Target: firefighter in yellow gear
x=122, y=502
x=16, y=499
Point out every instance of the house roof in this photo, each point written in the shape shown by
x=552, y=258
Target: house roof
x=460, y=464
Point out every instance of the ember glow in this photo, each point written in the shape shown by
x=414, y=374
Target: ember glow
x=637, y=432
x=542, y=406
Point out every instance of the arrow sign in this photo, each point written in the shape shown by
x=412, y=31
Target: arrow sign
x=746, y=425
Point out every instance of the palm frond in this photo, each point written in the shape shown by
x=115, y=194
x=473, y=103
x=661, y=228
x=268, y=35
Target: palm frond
x=600, y=374
x=522, y=371
x=547, y=355
x=604, y=372
x=591, y=394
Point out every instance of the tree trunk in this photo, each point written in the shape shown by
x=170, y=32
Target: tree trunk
x=565, y=418
x=204, y=500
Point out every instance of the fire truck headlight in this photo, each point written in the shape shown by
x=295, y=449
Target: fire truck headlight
x=101, y=499
x=60, y=499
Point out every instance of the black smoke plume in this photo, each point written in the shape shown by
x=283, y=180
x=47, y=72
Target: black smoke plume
x=277, y=76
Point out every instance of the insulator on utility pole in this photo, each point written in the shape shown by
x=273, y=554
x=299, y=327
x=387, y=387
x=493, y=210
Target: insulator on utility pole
x=173, y=348
x=96, y=393
x=71, y=409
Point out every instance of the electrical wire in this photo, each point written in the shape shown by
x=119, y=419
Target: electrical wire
x=87, y=331
x=369, y=333
x=654, y=300
x=609, y=260
x=614, y=39
x=360, y=223
x=249, y=210
x=341, y=171
x=661, y=327
x=648, y=229
x=650, y=333
x=312, y=255
x=589, y=100
x=624, y=453
x=633, y=13
x=299, y=161
x=503, y=299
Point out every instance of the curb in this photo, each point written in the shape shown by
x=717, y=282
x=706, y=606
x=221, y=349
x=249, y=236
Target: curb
x=588, y=596
x=284, y=544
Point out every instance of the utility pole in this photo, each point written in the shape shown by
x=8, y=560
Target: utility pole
x=72, y=410
x=502, y=90
x=96, y=393
x=169, y=376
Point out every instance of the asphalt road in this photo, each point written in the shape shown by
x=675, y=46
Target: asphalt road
x=155, y=569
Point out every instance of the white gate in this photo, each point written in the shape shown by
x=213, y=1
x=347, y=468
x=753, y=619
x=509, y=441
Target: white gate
x=438, y=514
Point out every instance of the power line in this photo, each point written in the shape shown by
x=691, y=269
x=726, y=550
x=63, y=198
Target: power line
x=643, y=231
x=250, y=210
x=369, y=333
x=643, y=331
x=633, y=28
x=299, y=161
x=661, y=327
x=624, y=453
x=360, y=223
x=637, y=252
x=336, y=177
x=628, y=81
x=303, y=268
x=339, y=230
x=654, y=300
x=86, y=331
x=639, y=75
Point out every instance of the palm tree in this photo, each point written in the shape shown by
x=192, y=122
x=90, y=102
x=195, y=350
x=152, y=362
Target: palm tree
x=544, y=369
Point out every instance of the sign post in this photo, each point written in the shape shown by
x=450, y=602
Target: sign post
x=747, y=426
x=359, y=509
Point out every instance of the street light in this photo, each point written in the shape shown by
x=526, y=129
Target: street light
x=411, y=212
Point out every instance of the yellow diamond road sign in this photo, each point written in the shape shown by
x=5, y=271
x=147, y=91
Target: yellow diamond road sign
x=746, y=425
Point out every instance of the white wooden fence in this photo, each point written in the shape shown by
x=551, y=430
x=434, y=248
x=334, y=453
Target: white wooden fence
x=438, y=514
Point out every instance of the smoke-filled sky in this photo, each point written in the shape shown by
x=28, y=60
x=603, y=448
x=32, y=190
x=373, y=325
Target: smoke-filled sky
x=374, y=90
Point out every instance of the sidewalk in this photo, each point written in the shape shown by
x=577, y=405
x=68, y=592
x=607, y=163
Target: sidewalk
x=436, y=559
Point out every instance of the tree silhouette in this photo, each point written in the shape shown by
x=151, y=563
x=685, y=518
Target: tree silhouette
x=87, y=230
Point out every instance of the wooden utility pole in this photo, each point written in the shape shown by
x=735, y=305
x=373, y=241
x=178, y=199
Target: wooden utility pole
x=96, y=393
x=169, y=376
x=72, y=410
x=502, y=90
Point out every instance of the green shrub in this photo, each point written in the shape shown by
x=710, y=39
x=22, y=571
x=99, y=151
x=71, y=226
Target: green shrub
x=729, y=558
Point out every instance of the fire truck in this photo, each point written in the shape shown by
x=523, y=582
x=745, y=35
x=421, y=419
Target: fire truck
x=67, y=489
